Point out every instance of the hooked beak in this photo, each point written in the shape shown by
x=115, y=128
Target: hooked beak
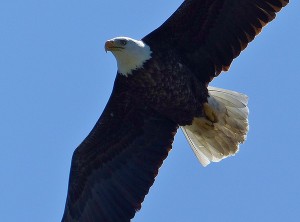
x=110, y=46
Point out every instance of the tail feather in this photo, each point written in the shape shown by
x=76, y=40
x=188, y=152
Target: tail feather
x=214, y=142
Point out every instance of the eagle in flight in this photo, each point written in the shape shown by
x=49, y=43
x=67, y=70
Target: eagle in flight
x=161, y=85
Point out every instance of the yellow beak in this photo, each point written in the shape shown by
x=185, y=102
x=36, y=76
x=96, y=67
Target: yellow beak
x=109, y=46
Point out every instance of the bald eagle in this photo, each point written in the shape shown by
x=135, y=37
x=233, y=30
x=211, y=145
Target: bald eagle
x=161, y=85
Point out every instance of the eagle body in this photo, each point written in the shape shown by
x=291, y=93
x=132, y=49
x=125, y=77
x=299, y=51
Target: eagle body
x=166, y=85
x=161, y=85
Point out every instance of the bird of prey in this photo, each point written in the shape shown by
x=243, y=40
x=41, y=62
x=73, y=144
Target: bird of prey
x=161, y=85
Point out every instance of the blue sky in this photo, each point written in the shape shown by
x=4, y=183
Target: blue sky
x=55, y=79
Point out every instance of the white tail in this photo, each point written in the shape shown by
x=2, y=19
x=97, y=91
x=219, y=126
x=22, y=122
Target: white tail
x=215, y=141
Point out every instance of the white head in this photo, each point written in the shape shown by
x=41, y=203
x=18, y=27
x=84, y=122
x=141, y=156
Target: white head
x=130, y=54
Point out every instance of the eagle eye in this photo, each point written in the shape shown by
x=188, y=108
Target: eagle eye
x=123, y=42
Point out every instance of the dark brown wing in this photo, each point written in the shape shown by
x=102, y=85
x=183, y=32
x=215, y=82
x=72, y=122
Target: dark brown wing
x=209, y=34
x=114, y=167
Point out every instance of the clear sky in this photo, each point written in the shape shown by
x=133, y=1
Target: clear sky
x=55, y=80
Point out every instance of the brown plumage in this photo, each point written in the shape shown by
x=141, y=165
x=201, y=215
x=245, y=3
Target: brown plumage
x=162, y=84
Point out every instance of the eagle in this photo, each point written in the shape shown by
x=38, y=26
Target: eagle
x=162, y=85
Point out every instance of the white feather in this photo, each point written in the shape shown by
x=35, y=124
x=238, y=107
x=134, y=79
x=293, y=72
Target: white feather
x=212, y=143
x=133, y=56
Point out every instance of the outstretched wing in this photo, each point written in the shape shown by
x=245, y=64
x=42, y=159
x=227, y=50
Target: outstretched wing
x=114, y=167
x=209, y=34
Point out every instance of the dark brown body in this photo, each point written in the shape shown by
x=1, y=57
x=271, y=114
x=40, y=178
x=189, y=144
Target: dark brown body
x=166, y=85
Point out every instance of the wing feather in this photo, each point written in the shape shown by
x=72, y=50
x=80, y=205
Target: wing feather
x=209, y=34
x=114, y=167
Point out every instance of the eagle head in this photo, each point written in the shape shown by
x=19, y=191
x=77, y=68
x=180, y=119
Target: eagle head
x=130, y=54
